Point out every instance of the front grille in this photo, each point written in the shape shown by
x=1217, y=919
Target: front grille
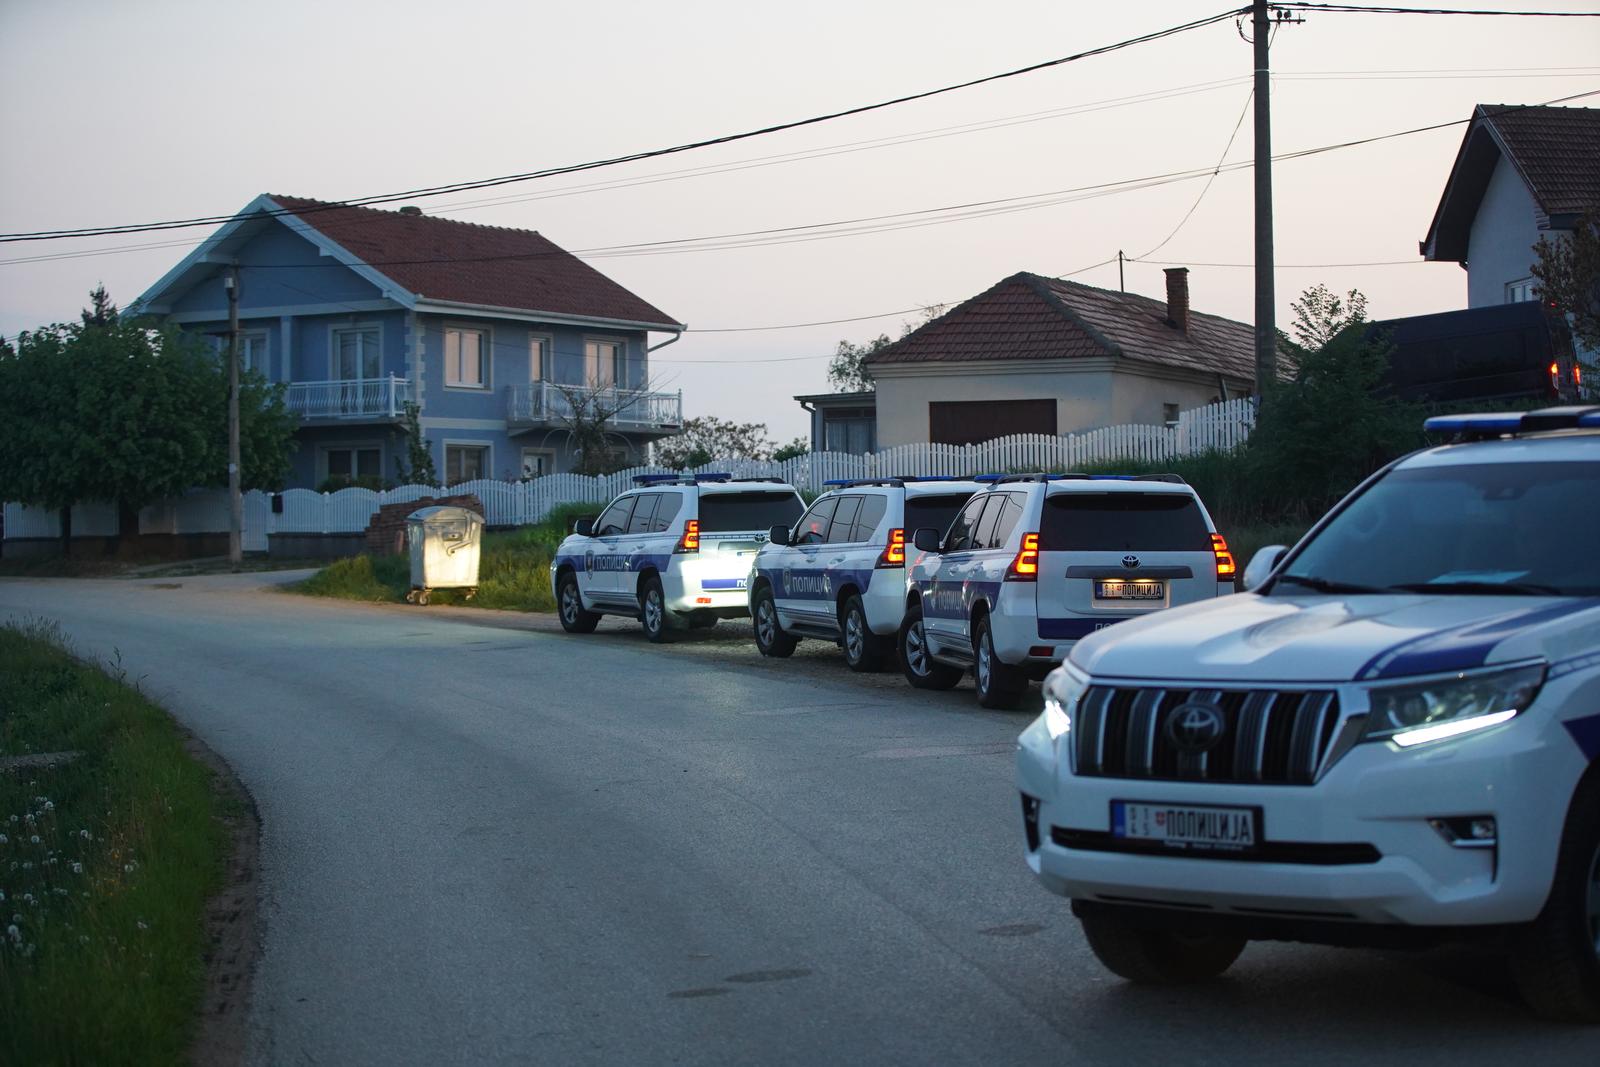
x=1272, y=737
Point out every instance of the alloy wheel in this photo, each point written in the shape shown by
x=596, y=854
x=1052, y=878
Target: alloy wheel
x=652, y=611
x=766, y=625
x=569, y=603
x=855, y=640
x=985, y=655
x=916, y=649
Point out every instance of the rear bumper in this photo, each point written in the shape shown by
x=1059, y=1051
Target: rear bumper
x=716, y=582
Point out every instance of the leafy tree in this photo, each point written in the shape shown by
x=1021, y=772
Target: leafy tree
x=707, y=438
x=847, y=371
x=104, y=312
x=1320, y=315
x=117, y=410
x=798, y=447
x=417, y=467
x=1568, y=270
x=587, y=413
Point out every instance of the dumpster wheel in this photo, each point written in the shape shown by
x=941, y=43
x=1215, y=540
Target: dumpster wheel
x=472, y=592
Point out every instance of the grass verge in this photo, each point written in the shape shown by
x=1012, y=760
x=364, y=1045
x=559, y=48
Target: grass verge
x=106, y=864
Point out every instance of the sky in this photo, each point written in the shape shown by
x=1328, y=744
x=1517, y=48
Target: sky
x=115, y=113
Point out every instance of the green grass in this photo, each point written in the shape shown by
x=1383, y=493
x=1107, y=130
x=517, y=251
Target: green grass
x=106, y=865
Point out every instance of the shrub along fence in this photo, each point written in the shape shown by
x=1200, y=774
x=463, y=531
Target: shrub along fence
x=1214, y=428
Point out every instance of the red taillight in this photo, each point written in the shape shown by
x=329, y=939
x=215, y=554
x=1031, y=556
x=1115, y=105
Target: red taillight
x=1025, y=568
x=1577, y=375
x=1555, y=370
x=1225, y=566
x=894, y=553
x=690, y=541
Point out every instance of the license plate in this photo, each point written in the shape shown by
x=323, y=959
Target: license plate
x=1187, y=826
x=1124, y=589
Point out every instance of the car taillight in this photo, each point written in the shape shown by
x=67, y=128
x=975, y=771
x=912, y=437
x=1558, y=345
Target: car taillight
x=1025, y=568
x=1225, y=565
x=894, y=553
x=1555, y=370
x=690, y=540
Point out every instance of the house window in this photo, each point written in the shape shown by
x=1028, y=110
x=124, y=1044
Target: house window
x=352, y=462
x=602, y=364
x=1517, y=292
x=538, y=462
x=253, y=354
x=1169, y=414
x=852, y=431
x=539, y=359
x=465, y=463
x=356, y=354
x=464, y=358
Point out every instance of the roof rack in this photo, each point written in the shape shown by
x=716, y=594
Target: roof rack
x=1480, y=426
x=1074, y=476
x=851, y=483
x=660, y=479
x=773, y=481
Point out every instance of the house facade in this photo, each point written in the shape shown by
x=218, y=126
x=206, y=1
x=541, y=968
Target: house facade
x=495, y=334
x=1040, y=355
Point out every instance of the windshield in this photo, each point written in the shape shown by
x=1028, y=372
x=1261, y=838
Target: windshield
x=1509, y=528
x=750, y=511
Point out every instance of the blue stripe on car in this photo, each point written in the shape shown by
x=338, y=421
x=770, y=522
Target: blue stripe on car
x=1072, y=629
x=1463, y=647
x=723, y=583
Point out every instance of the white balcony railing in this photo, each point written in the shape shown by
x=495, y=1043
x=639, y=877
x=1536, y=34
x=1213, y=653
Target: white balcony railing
x=546, y=403
x=365, y=398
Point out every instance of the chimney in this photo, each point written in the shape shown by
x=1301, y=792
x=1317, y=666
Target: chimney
x=1178, y=298
x=411, y=209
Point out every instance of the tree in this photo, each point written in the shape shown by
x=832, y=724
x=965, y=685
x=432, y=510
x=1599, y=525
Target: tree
x=417, y=467
x=707, y=438
x=104, y=312
x=847, y=371
x=118, y=410
x=1568, y=271
x=586, y=412
x=798, y=447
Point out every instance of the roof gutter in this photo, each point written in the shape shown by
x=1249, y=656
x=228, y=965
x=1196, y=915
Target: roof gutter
x=669, y=341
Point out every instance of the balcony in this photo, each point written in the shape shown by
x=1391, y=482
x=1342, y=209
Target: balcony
x=352, y=400
x=548, y=404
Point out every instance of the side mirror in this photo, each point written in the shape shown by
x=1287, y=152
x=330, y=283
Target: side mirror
x=778, y=535
x=583, y=527
x=927, y=539
x=1261, y=565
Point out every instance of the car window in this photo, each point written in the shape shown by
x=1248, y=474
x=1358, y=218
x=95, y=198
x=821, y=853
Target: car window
x=983, y=533
x=1007, y=521
x=932, y=511
x=960, y=536
x=753, y=510
x=1123, y=522
x=872, y=509
x=644, y=512
x=614, y=520
x=813, y=529
x=666, y=510
x=843, y=529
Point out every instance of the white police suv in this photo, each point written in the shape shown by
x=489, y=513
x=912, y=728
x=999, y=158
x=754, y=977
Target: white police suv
x=1038, y=561
x=674, y=552
x=840, y=572
x=1392, y=738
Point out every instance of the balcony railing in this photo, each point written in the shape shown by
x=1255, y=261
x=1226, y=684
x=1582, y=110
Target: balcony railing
x=546, y=404
x=364, y=398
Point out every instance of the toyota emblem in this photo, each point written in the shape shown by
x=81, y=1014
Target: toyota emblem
x=1195, y=727
x=1131, y=562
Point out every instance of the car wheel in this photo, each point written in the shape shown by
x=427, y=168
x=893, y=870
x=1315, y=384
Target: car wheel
x=659, y=625
x=1556, y=962
x=863, y=649
x=1158, y=957
x=770, y=638
x=999, y=684
x=920, y=668
x=575, y=619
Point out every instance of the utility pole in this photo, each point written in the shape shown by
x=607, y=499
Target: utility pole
x=1266, y=296
x=235, y=503
x=1122, y=286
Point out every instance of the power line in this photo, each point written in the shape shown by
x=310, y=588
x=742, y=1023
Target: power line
x=1187, y=215
x=1365, y=9
x=484, y=183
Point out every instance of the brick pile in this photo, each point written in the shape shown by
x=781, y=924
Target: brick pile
x=386, y=534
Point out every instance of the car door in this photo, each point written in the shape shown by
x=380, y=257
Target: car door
x=835, y=555
x=603, y=561
x=944, y=613
x=797, y=585
x=634, y=545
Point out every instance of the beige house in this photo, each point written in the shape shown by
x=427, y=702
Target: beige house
x=1038, y=355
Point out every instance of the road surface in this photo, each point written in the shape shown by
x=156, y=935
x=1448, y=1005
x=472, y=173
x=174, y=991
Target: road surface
x=487, y=842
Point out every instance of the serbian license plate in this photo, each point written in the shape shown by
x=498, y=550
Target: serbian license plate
x=1187, y=826
x=1126, y=589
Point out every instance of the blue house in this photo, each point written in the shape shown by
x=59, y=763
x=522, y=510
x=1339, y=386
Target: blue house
x=496, y=334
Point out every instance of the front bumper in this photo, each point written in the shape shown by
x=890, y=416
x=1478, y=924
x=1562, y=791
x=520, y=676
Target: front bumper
x=1375, y=796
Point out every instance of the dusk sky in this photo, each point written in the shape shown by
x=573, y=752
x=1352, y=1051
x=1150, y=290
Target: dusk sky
x=119, y=113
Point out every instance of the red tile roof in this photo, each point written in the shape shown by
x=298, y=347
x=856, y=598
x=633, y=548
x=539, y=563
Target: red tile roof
x=1027, y=316
x=441, y=259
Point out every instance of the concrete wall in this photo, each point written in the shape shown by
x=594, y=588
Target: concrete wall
x=1504, y=232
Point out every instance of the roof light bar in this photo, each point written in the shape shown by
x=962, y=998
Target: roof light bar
x=656, y=479
x=1493, y=424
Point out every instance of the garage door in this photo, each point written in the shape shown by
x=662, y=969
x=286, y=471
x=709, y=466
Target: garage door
x=966, y=422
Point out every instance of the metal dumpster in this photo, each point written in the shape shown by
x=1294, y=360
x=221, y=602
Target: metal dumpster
x=444, y=543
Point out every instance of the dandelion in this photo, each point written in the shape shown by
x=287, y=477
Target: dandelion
x=27, y=898
x=13, y=818
x=27, y=865
x=4, y=840
x=16, y=918
x=34, y=840
x=143, y=925
x=127, y=868
x=84, y=834
x=13, y=933
x=83, y=939
x=77, y=868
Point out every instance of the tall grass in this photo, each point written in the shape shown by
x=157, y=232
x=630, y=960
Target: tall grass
x=106, y=863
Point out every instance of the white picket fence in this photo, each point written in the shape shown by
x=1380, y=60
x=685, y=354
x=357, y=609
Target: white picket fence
x=1217, y=427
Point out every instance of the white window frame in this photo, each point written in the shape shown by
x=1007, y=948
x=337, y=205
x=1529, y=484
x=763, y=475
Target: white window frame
x=619, y=362
x=485, y=357
x=219, y=341
x=1524, y=285
x=488, y=459
x=546, y=454
x=333, y=350
x=323, y=474
x=540, y=358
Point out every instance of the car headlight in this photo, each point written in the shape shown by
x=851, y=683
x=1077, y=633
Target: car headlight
x=1448, y=707
x=1062, y=690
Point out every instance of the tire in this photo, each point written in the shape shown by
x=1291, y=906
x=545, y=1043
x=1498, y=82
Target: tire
x=920, y=669
x=999, y=685
x=770, y=638
x=863, y=649
x=659, y=625
x=1556, y=961
x=1158, y=957
x=575, y=618
x=422, y=598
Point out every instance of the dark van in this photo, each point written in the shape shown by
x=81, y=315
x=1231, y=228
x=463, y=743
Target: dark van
x=1502, y=352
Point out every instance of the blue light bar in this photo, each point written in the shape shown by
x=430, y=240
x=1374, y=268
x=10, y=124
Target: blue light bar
x=1591, y=420
x=717, y=476
x=988, y=477
x=930, y=478
x=1111, y=477
x=655, y=479
x=838, y=481
x=1494, y=422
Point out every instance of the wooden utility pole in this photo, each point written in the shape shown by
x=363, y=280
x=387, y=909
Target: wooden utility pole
x=235, y=502
x=1266, y=296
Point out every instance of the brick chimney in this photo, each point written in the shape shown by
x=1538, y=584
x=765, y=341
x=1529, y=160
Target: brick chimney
x=1178, y=298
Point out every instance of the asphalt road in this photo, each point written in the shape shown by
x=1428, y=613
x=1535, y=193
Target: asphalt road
x=484, y=841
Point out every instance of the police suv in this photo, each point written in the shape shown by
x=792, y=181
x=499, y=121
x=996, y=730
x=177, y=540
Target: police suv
x=673, y=553
x=840, y=573
x=1037, y=561
x=1392, y=738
